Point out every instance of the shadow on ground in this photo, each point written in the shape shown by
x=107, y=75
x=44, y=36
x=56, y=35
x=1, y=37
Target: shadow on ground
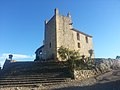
x=114, y=85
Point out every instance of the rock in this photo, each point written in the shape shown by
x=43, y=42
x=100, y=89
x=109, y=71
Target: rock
x=17, y=88
x=104, y=65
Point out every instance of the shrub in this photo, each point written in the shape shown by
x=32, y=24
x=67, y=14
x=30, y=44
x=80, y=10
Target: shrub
x=73, y=59
x=67, y=54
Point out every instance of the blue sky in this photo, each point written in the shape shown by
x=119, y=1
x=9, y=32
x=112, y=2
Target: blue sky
x=22, y=25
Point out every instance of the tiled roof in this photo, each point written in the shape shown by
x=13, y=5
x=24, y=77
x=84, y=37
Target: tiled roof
x=81, y=32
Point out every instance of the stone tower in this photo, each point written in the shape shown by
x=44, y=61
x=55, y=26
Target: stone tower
x=60, y=32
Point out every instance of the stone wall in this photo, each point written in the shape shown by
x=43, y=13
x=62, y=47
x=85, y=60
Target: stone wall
x=59, y=32
x=67, y=37
x=84, y=46
x=49, y=50
x=101, y=66
x=83, y=74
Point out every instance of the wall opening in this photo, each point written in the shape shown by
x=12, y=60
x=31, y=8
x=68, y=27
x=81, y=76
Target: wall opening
x=86, y=39
x=78, y=36
x=78, y=45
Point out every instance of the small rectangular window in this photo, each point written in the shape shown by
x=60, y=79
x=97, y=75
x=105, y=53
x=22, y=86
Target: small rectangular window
x=78, y=36
x=50, y=45
x=78, y=45
x=86, y=39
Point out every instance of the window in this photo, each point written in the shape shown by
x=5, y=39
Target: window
x=40, y=52
x=78, y=45
x=78, y=36
x=86, y=39
x=50, y=45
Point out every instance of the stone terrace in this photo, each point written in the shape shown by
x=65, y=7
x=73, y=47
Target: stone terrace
x=34, y=73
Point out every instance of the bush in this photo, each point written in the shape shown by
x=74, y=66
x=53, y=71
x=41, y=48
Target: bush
x=67, y=54
x=79, y=64
x=73, y=58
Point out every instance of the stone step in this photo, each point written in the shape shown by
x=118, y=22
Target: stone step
x=35, y=64
x=40, y=70
x=8, y=78
x=30, y=82
x=19, y=85
x=41, y=66
x=37, y=68
x=31, y=76
x=35, y=77
x=22, y=73
x=31, y=79
x=44, y=72
x=31, y=85
x=36, y=74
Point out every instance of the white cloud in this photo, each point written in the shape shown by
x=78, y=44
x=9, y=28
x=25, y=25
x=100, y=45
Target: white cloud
x=18, y=57
x=21, y=56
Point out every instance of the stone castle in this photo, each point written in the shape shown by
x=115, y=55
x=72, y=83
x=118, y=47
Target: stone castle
x=60, y=32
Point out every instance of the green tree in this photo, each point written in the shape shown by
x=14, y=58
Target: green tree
x=67, y=54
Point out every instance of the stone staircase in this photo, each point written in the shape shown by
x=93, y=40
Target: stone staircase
x=34, y=74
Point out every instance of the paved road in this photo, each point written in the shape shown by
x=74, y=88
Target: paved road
x=107, y=81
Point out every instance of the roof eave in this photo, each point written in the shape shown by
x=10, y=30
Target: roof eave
x=81, y=32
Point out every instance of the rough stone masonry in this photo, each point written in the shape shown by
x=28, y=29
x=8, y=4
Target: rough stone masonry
x=59, y=32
